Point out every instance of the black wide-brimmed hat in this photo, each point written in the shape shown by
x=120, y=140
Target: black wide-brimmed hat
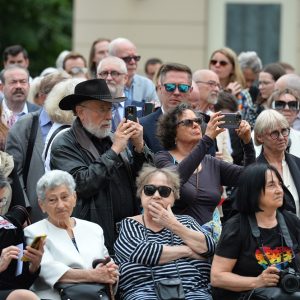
x=94, y=89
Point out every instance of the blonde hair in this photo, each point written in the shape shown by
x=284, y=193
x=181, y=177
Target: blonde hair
x=58, y=92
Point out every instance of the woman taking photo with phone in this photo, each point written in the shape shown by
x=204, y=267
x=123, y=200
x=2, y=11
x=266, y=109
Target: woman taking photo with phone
x=158, y=247
x=201, y=175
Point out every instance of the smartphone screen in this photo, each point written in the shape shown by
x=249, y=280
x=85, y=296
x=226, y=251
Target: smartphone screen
x=131, y=113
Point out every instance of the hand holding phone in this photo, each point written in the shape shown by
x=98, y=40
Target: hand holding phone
x=35, y=244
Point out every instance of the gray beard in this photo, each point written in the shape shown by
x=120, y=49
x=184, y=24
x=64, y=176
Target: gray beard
x=98, y=132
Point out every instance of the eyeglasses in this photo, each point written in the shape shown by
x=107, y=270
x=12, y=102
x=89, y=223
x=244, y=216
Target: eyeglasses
x=190, y=122
x=212, y=84
x=77, y=70
x=164, y=191
x=100, y=110
x=182, y=88
x=128, y=59
x=276, y=133
x=281, y=104
x=113, y=74
x=222, y=63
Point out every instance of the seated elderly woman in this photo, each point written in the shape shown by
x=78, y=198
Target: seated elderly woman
x=16, y=276
x=272, y=131
x=72, y=244
x=246, y=261
x=201, y=175
x=157, y=245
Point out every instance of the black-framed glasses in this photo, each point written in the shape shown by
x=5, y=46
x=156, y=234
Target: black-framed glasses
x=211, y=83
x=190, y=122
x=182, y=87
x=276, y=133
x=113, y=74
x=222, y=63
x=281, y=105
x=164, y=191
x=128, y=59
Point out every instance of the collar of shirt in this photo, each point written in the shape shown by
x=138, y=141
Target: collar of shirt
x=8, y=112
x=45, y=123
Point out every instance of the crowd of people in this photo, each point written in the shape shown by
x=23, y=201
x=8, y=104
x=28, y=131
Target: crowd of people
x=172, y=185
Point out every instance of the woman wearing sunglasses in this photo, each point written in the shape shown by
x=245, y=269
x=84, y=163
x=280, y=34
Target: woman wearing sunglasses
x=158, y=245
x=272, y=132
x=286, y=102
x=201, y=175
x=224, y=62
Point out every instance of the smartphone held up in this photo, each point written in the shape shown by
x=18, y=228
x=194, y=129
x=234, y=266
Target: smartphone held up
x=131, y=113
x=232, y=120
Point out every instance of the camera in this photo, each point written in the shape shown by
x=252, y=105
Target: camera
x=289, y=280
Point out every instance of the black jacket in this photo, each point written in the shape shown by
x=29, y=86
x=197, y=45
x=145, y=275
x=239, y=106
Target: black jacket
x=105, y=181
x=293, y=163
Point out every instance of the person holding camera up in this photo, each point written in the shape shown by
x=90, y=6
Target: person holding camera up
x=258, y=249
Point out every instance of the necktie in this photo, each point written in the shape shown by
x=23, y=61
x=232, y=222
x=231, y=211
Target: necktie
x=116, y=118
x=11, y=120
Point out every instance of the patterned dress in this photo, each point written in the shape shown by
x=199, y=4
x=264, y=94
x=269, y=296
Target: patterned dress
x=138, y=249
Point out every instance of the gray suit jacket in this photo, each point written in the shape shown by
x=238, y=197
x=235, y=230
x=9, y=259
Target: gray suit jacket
x=16, y=145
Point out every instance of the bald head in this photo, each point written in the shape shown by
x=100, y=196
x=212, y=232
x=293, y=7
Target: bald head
x=288, y=81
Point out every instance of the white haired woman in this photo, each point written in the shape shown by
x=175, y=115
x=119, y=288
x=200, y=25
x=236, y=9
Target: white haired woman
x=72, y=244
x=272, y=131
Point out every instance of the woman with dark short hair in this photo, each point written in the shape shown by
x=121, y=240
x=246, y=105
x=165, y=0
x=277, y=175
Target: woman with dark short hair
x=243, y=262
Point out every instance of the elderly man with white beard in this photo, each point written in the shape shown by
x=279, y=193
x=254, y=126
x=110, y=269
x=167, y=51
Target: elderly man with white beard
x=102, y=165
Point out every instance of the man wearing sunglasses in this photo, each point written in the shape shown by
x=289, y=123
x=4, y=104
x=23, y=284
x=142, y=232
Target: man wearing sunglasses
x=138, y=89
x=174, y=87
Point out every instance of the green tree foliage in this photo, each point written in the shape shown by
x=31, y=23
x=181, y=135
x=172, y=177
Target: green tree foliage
x=42, y=27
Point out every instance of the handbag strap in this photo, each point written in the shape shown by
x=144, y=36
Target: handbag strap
x=172, y=241
x=32, y=136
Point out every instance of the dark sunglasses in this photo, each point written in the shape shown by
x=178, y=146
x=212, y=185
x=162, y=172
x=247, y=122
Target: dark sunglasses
x=128, y=59
x=164, y=191
x=222, y=63
x=280, y=105
x=182, y=88
x=275, y=134
x=190, y=122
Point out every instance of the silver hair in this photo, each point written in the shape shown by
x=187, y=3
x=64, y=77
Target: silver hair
x=52, y=180
x=149, y=171
x=250, y=60
x=58, y=92
x=268, y=119
x=115, y=60
x=12, y=67
x=115, y=44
